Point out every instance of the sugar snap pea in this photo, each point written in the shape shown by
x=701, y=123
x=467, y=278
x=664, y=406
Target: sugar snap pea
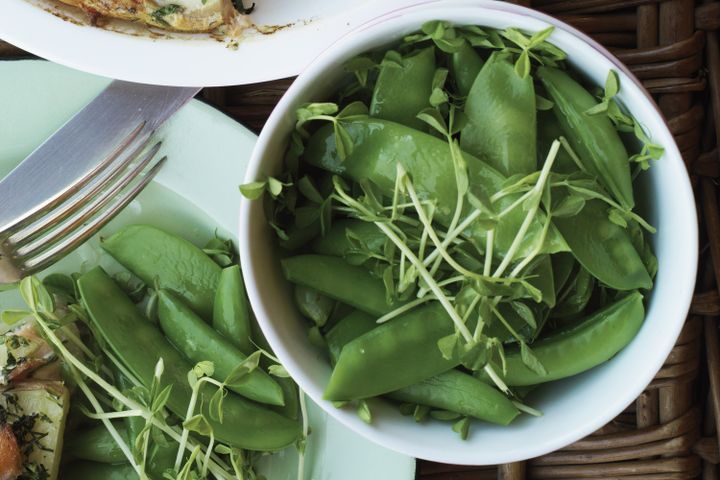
x=405, y=347
x=139, y=344
x=231, y=310
x=342, y=238
x=581, y=346
x=501, y=128
x=347, y=329
x=198, y=342
x=403, y=87
x=176, y=264
x=593, y=137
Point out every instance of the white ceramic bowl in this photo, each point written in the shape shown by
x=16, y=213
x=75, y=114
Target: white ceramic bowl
x=572, y=408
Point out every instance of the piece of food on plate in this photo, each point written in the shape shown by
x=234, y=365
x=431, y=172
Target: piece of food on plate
x=179, y=15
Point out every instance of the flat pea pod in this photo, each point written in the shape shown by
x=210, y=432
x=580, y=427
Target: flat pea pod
x=461, y=393
x=82, y=470
x=198, y=342
x=394, y=355
x=379, y=145
x=348, y=329
x=593, y=137
x=139, y=345
x=465, y=64
x=231, y=310
x=501, y=112
x=95, y=444
x=603, y=248
x=313, y=305
x=337, y=279
x=338, y=241
x=548, y=130
x=176, y=264
x=403, y=90
x=582, y=346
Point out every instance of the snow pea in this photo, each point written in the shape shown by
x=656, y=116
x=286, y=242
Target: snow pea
x=336, y=240
x=379, y=145
x=402, y=91
x=313, y=305
x=603, y=248
x=548, y=130
x=231, y=310
x=576, y=297
x=139, y=344
x=198, y=342
x=593, y=137
x=95, y=444
x=337, y=279
x=461, y=393
x=176, y=264
x=465, y=64
x=501, y=114
x=394, y=355
x=93, y=471
x=581, y=346
x=347, y=329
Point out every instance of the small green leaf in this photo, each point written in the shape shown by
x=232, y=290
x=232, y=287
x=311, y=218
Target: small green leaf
x=516, y=36
x=522, y=65
x=601, y=107
x=449, y=346
x=525, y=313
x=530, y=360
x=655, y=151
x=161, y=399
x=570, y=206
x=343, y=141
x=11, y=317
x=278, y=371
x=542, y=103
x=353, y=110
x=612, y=84
x=36, y=296
x=540, y=37
x=421, y=413
x=363, y=411
x=275, y=186
x=434, y=118
x=215, y=406
x=198, y=424
x=239, y=374
x=392, y=59
x=204, y=369
x=252, y=190
x=308, y=189
x=438, y=97
x=388, y=278
x=462, y=427
x=617, y=217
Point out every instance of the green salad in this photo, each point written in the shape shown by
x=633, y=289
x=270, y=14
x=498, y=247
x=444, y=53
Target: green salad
x=459, y=224
x=155, y=372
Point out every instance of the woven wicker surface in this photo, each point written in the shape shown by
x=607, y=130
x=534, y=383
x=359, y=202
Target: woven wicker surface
x=670, y=431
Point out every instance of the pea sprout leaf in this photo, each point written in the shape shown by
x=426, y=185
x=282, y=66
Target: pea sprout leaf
x=421, y=413
x=239, y=374
x=542, y=103
x=522, y=65
x=449, y=346
x=462, y=427
x=392, y=59
x=616, y=216
x=569, y=206
x=12, y=316
x=525, y=313
x=215, y=406
x=198, y=424
x=363, y=411
x=530, y=360
x=253, y=190
x=435, y=119
x=309, y=190
x=278, y=370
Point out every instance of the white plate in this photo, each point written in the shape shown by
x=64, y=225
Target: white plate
x=195, y=192
x=199, y=61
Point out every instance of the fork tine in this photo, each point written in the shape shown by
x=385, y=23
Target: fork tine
x=78, y=237
x=86, y=210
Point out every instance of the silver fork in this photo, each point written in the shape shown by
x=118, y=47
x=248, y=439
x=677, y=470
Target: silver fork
x=82, y=176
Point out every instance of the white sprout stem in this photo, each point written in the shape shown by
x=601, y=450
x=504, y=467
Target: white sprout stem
x=527, y=409
x=460, y=196
x=537, y=191
x=489, y=242
x=514, y=188
x=536, y=250
x=400, y=310
x=114, y=415
x=572, y=154
x=496, y=379
x=305, y=432
x=422, y=271
x=208, y=453
x=471, y=307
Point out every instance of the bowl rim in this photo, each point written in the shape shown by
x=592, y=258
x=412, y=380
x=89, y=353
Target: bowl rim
x=333, y=52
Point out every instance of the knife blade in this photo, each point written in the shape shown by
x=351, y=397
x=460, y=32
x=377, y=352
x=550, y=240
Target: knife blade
x=83, y=144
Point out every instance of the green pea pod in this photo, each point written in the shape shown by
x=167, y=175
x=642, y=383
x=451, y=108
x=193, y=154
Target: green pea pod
x=501, y=114
x=95, y=444
x=231, y=310
x=576, y=297
x=348, y=238
x=593, y=137
x=562, y=265
x=176, y=264
x=394, y=355
x=581, y=346
x=603, y=248
x=98, y=471
x=548, y=131
x=199, y=342
x=298, y=237
x=337, y=279
x=347, y=329
x=403, y=90
x=313, y=305
x=379, y=145
x=139, y=345
x=465, y=64
x=461, y=393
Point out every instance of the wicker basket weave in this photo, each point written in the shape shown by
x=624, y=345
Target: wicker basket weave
x=670, y=432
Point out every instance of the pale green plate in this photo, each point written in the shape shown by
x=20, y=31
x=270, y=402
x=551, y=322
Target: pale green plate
x=195, y=193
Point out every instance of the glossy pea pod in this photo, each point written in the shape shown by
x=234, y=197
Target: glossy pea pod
x=198, y=342
x=139, y=345
x=593, y=137
x=337, y=242
x=379, y=145
x=174, y=263
x=581, y=346
x=95, y=444
x=603, y=248
x=231, y=310
x=465, y=65
x=501, y=112
x=403, y=90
